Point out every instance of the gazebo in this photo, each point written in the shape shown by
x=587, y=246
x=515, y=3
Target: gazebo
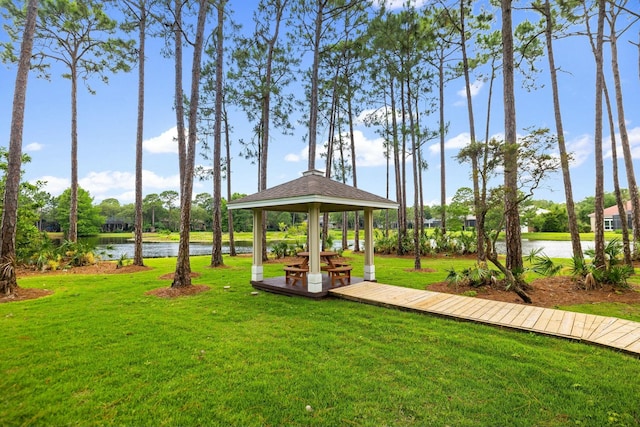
x=314, y=194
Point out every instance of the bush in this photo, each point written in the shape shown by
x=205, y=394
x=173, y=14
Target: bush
x=281, y=250
x=477, y=276
x=615, y=274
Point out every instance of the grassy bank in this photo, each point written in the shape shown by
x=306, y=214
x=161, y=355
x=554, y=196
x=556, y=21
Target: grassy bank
x=99, y=351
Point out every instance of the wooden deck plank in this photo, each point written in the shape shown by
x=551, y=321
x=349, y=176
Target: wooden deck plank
x=523, y=315
x=466, y=305
x=478, y=310
x=377, y=292
x=496, y=308
x=541, y=322
x=602, y=324
x=534, y=317
x=498, y=315
x=357, y=289
x=608, y=331
x=579, y=324
x=513, y=314
x=447, y=304
x=612, y=334
x=591, y=324
x=566, y=325
x=426, y=304
x=633, y=347
x=632, y=335
x=553, y=326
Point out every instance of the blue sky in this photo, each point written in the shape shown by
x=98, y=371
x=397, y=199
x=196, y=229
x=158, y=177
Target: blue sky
x=107, y=129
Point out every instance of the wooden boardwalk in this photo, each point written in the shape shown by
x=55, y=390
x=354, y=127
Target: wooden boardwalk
x=606, y=331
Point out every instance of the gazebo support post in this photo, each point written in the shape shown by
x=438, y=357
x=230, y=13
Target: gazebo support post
x=314, y=276
x=256, y=268
x=369, y=267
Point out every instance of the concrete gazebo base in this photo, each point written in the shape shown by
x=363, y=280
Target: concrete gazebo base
x=277, y=285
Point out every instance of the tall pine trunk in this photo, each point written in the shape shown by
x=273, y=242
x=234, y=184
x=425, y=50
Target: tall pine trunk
x=8, y=281
x=564, y=156
x=477, y=203
x=227, y=140
x=72, y=233
x=182, y=275
x=216, y=253
x=137, y=253
x=622, y=211
x=599, y=257
x=512, y=229
x=624, y=136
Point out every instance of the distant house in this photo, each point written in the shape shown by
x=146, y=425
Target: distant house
x=115, y=225
x=612, y=217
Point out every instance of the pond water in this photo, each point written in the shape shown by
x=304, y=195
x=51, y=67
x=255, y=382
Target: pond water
x=551, y=248
x=114, y=248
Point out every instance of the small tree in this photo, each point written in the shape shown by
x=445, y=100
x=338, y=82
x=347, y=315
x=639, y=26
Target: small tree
x=89, y=219
x=8, y=282
x=534, y=163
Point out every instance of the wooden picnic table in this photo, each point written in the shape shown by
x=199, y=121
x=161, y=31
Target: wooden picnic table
x=328, y=257
x=338, y=272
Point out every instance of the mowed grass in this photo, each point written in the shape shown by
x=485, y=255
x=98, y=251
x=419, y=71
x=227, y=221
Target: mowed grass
x=99, y=351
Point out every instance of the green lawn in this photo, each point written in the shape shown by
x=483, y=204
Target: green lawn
x=101, y=352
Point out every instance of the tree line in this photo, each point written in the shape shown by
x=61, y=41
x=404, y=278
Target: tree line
x=361, y=57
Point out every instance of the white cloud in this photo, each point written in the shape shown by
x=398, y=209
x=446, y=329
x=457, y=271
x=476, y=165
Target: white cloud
x=106, y=184
x=54, y=185
x=34, y=146
x=634, y=144
x=166, y=142
x=297, y=157
x=580, y=149
x=475, y=89
x=369, y=152
x=462, y=93
x=459, y=141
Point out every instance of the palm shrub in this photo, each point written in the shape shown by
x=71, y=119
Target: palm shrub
x=280, y=249
x=614, y=273
x=467, y=242
x=476, y=276
x=426, y=248
x=77, y=254
x=542, y=264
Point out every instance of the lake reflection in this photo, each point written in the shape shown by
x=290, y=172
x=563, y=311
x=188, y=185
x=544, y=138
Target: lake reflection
x=116, y=247
x=551, y=248
x=124, y=246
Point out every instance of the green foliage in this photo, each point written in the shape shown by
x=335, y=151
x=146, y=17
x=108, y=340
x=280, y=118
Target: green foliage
x=389, y=244
x=123, y=261
x=475, y=276
x=542, y=264
x=282, y=249
x=31, y=200
x=614, y=273
x=556, y=220
x=89, y=219
x=77, y=254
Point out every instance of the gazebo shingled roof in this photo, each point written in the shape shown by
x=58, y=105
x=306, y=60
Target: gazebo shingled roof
x=312, y=187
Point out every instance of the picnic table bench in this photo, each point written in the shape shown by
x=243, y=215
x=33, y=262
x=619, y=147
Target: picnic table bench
x=340, y=274
x=296, y=274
